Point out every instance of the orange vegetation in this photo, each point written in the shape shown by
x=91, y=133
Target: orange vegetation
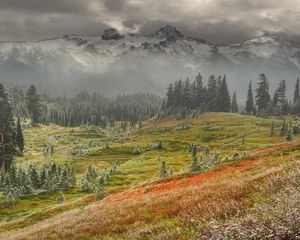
x=182, y=181
x=194, y=200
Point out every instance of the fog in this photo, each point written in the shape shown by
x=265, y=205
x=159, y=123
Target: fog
x=58, y=67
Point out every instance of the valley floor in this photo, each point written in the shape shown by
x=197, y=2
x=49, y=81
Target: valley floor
x=253, y=196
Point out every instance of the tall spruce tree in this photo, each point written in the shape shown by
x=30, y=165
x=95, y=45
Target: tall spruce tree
x=275, y=99
x=281, y=92
x=199, y=95
x=186, y=94
x=262, y=93
x=297, y=91
x=250, y=101
x=7, y=131
x=33, y=101
x=223, y=97
x=178, y=89
x=170, y=96
x=211, y=94
x=20, y=138
x=234, y=104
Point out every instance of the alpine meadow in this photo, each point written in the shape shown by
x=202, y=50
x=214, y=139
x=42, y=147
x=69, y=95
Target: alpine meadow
x=149, y=120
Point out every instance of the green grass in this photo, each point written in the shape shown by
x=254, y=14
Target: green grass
x=222, y=132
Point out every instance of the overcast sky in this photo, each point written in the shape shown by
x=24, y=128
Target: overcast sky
x=214, y=20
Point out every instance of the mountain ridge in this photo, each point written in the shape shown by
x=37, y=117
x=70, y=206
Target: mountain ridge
x=134, y=62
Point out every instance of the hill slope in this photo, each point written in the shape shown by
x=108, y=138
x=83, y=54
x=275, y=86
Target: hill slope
x=255, y=194
x=181, y=207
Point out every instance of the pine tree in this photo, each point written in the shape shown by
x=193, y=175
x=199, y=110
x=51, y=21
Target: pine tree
x=43, y=177
x=281, y=91
x=223, y=97
x=61, y=197
x=33, y=101
x=186, y=94
x=297, y=91
x=34, y=176
x=20, y=138
x=199, y=92
x=284, y=128
x=272, y=130
x=250, y=101
x=178, y=89
x=290, y=135
x=194, y=167
x=163, y=170
x=99, y=193
x=64, y=179
x=211, y=95
x=7, y=131
x=262, y=93
x=275, y=99
x=234, y=104
x=170, y=97
x=71, y=176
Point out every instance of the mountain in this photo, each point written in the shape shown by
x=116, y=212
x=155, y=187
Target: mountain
x=112, y=63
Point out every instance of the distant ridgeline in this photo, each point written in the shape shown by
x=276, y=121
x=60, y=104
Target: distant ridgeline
x=185, y=97
x=88, y=109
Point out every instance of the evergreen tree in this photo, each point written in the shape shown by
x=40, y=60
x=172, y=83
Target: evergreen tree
x=99, y=193
x=7, y=131
x=250, y=101
x=272, y=130
x=170, y=97
x=234, y=104
x=178, y=89
x=163, y=170
x=194, y=167
x=211, y=95
x=43, y=177
x=34, y=108
x=199, y=92
x=281, y=91
x=223, y=97
x=284, y=128
x=275, y=99
x=71, y=176
x=34, y=176
x=186, y=94
x=61, y=197
x=297, y=92
x=262, y=93
x=290, y=135
x=20, y=138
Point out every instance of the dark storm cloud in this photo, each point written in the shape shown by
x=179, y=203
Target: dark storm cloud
x=114, y=5
x=44, y=6
x=214, y=20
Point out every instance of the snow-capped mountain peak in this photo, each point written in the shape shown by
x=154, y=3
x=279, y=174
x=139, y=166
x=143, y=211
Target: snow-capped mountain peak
x=167, y=32
x=146, y=61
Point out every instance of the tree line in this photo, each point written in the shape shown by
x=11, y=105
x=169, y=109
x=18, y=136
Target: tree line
x=84, y=108
x=183, y=96
x=18, y=181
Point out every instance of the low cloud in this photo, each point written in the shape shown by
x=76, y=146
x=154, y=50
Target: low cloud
x=214, y=20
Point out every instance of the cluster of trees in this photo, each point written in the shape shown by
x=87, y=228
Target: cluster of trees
x=265, y=105
x=84, y=108
x=94, y=181
x=215, y=97
x=11, y=135
x=18, y=181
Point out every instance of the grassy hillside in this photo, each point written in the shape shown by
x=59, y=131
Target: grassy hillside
x=230, y=196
